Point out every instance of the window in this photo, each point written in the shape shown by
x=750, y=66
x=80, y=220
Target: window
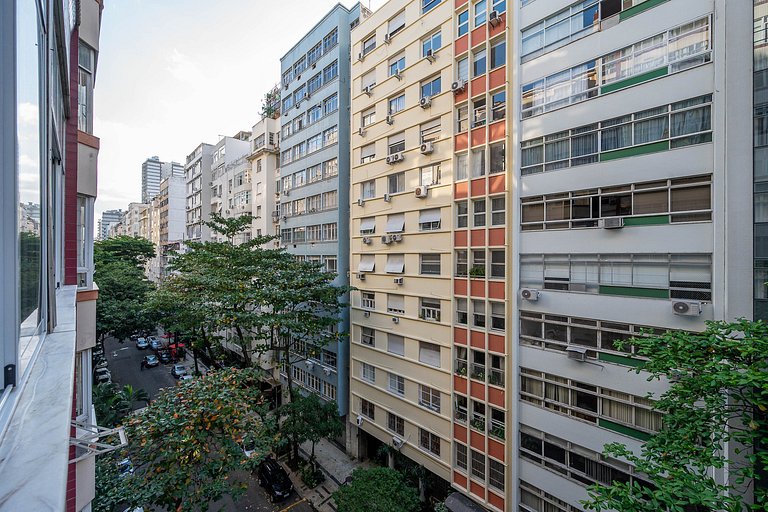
x=430, y=88
x=369, y=45
x=330, y=136
x=462, y=118
x=331, y=168
x=395, y=264
x=428, y=5
x=498, y=263
x=395, y=223
x=331, y=263
x=314, y=143
x=368, y=300
x=428, y=440
x=368, y=80
x=497, y=316
x=463, y=23
x=430, y=131
x=330, y=40
x=431, y=44
x=429, y=398
x=478, y=213
x=395, y=344
x=478, y=62
x=315, y=173
x=462, y=166
x=480, y=10
x=397, y=384
x=329, y=358
x=396, y=424
x=461, y=214
x=396, y=24
x=478, y=112
x=396, y=104
x=368, y=372
x=368, y=189
x=367, y=225
x=429, y=175
x=461, y=456
x=315, y=53
x=314, y=83
x=367, y=153
x=429, y=353
x=567, y=25
x=461, y=313
x=534, y=499
x=314, y=114
x=429, y=220
x=330, y=232
x=368, y=117
x=478, y=465
x=396, y=304
x=462, y=262
x=299, y=235
x=367, y=409
x=429, y=264
x=462, y=69
x=331, y=104
x=300, y=94
x=299, y=66
x=330, y=200
x=498, y=105
x=498, y=54
x=499, y=6
x=396, y=65
x=368, y=336
x=478, y=162
x=498, y=161
x=396, y=182
x=498, y=211
x=478, y=313
x=314, y=233
x=430, y=310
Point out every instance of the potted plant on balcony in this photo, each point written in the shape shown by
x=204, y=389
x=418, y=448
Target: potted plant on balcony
x=477, y=272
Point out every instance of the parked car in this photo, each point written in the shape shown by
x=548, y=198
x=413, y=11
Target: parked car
x=125, y=467
x=101, y=364
x=142, y=343
x=151, y=361
x=164, y=356
x=103, y=379
x=274, y=479
x=102, y=371
x=178, y=370
x=155, y=344
x=186, y=376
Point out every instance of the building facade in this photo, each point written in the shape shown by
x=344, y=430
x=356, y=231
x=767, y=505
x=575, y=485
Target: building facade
x=108, y=219
x=314, y=175
x=231, y=181
x=198, y=209
x=153, y=171
x=48, y=301
x=265, y=171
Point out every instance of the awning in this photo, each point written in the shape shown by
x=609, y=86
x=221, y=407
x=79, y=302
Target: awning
x=395, y=264
x=396, y=223
x=368, y=224
x=367, y=263
x=457, y=502
x=431, y=215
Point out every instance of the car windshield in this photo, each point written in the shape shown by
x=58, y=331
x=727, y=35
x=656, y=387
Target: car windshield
x=151, y=358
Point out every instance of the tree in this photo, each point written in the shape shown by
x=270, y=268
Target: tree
x=186, y=444
x=376, y=490
x=715, y=417
x=123, y=287
x=113, y=404
x=307, y=418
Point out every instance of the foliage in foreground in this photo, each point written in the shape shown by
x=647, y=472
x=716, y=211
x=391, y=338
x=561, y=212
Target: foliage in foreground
x=187, y=443
x=112, y=404
x=376, y=490
x=718, y=397
x=308, y=418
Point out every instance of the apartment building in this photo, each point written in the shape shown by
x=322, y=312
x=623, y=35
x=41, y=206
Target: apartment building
x=48, y=298
x=153, y=171
x=198, y=209
x=401, y=244
x=167, y=215
x=314, y=176
x=265, y=162
x=231, y=180
x=108, y=219
x=760, y=176
x=633, y=161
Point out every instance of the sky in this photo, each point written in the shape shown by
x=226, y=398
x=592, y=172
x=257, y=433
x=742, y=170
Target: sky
x=174, y=73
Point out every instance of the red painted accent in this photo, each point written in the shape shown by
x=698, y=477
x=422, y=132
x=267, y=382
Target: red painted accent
x=460, y=433
x=462, y=141
x=496, y=397
x=477, y=339
x=477, y=287
x=459, y=479
x=477, y=236
x=478, y=36
x=477, y=440
x=497, y=77
x=478, y=187
x=496, y=343
x=460, y=287
x=496, y=501
x=70, y=171
x=460, y=335
x=496, y=236
x=71, y=496
x=459, y=3
x=460, y=238
x=478, y=85
x=497, y=131
x=496, y=183
x=477, y=489
x=460, y=190
x=477, y=390
x=460, y=384
x=461, y=45
x=496, y=290
x=478, y=136
x=496, y=449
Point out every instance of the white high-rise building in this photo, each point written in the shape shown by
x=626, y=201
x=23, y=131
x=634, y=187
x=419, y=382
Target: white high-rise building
x=108, y=218
x=153, y=171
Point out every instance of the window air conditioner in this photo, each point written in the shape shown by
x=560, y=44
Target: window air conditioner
x=388, y=38
x=529, y=294
x=366, y=240
x=360, y=202
x=421, y=192
x=427, y=148
x=612, y=222
x=360, y=276
x=430, y=56
x=396, y=238
x=686, y=307
x=361, y=132
x=359, y=420
x=394, y=158
x=576, y=353
x=395, y=320
x=368, y=89
x=494, y=18
x=386, y=239
x=360, y=56
x=398, y=75
x=390, y=119
x=397, y=442
x=399, y=281
x=458, y=86
x=366, y=314
x=387, y=198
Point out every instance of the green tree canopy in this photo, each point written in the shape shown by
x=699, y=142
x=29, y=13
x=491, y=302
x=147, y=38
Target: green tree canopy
x=715, y=417
x=376, y=490
x=127, y=249
x=308, y=418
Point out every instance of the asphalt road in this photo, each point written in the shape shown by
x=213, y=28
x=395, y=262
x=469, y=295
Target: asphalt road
x=124, y=361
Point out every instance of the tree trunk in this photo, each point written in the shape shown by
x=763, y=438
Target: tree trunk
x=246, y=355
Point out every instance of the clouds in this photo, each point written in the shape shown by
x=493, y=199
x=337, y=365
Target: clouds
x=183, y=68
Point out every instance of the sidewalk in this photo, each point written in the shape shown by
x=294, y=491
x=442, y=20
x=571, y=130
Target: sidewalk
x=337, y=467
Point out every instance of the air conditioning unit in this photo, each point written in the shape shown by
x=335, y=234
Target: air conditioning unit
x=359, y=420
x=399, y=281
x=367, y=240
x=686, y=307
x=298, y=106
x=360, y=56
x=421, y=192
x=427, y=148
x=612, y=222
x=367, y=314
x=395, y=320
x=306, y=95
x=360, y=276
x=360, y=202
x=576, y=353
x=386, y=239
x=529, y=294
x=327, y=370
x=494, y=18
x=458, y=86
x=397, y=442
x=390, y=119
x=285, y=217
x=361, y=132
x=387, y=38
x=398, y=75
x=368, y=89
x=425, y=102
x=396, y=238
x=430, y=56
x=394, y=158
